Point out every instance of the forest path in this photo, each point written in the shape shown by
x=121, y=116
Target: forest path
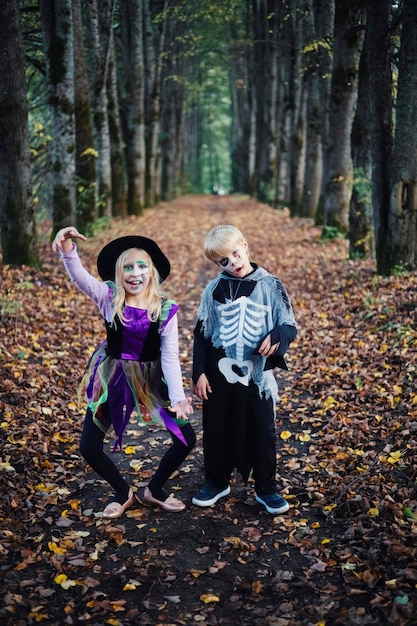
x=345, y=553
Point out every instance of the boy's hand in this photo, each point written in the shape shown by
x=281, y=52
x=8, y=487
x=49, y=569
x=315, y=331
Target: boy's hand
x=202, y=388
x=266, y=348
x=63, y=238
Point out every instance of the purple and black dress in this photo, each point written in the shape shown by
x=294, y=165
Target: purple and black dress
x=137, y=368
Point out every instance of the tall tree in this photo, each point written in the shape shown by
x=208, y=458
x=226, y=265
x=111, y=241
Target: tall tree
x=241, y=89
x=173, y=92
x=131, y=12
x=57, y=26
x=379, y=59
x=317, y=73
x=85, y=159
x=403, y=205
x=17, y=219
x=361, y=242
x=154, y=37
x=338, y=172
x=100, y=29
x=117, y=152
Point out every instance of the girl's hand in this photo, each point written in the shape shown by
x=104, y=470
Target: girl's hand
x=183, y=409
x=202, y=388
x=63, y=238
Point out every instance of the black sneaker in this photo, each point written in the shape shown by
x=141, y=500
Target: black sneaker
x=273, y=503
x=207, y=496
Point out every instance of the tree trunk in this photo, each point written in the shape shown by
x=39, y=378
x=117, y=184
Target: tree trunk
x=317, y=82
x=154, y=44
x=57, y=26
x=297, y=109
x=380, y=122
x=264, y=19
x=348, y=40
x=134, y=105
x=361, y=241
x=100, y=20
x=403, y=205
x=241, y=81
x=86, y=155
x=118, y=165
x=324, y=11
x=172, y=109
x=17, y=219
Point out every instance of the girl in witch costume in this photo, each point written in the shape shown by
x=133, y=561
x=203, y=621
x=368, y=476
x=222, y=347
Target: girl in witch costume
x=137, y=367
x=245, y=325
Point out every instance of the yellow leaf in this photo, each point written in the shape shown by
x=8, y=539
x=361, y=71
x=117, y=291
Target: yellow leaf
x=373, y=512
x=7, y=467
x=285, y=434
x=197, y=572
x=64, y=581
x=55, y=548
x=257, y=586
x=305, y=437
x=209, y=597
x=130, y=450
x=131, y=585
x=394, y=457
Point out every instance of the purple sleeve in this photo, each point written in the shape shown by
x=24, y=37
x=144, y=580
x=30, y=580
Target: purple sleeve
x=98, y=291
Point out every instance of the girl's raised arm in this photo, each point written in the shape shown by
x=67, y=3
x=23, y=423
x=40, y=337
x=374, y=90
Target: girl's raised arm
x=63, y=238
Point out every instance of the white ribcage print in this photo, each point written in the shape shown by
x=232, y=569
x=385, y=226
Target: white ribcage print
x=243, y=323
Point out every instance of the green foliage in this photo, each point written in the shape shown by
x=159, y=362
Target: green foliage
x=101, y=224
x=362, y=185
x=399, y=270
x=331, y=232
x=85, y=195
x=9, y=308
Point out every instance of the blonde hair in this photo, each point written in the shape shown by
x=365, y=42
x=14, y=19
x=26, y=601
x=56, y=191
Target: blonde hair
x=220, y=240
x=154, y=293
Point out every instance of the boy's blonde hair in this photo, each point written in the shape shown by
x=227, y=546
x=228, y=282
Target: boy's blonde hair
x=154, y=292
x=221, y=240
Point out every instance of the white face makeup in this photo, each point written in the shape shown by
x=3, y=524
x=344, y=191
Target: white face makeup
x=237, y=262
x=135, y=275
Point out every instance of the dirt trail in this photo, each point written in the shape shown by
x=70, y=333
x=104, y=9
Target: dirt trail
x=343, y=554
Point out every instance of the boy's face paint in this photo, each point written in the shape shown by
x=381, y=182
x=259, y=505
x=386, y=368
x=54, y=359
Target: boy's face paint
x=237, y=262
x=135, y=273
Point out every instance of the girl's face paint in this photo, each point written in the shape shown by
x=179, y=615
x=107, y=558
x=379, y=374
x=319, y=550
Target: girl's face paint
x=135, y=273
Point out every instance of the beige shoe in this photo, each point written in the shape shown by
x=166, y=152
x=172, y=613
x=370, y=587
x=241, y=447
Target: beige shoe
x=115, y=509
x=171, y=504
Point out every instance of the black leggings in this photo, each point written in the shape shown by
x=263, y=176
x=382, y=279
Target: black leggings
x=91, y=448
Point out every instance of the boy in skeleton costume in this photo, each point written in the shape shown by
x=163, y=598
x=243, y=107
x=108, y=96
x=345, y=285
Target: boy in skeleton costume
x=245, y=326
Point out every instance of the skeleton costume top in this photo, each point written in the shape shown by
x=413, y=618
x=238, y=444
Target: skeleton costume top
x=234, y=317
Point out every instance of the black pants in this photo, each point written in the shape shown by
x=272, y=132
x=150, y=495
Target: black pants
x=239, y=431
x=91, y=448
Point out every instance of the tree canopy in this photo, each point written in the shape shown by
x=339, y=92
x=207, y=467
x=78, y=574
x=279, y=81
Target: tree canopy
x=128, y=103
